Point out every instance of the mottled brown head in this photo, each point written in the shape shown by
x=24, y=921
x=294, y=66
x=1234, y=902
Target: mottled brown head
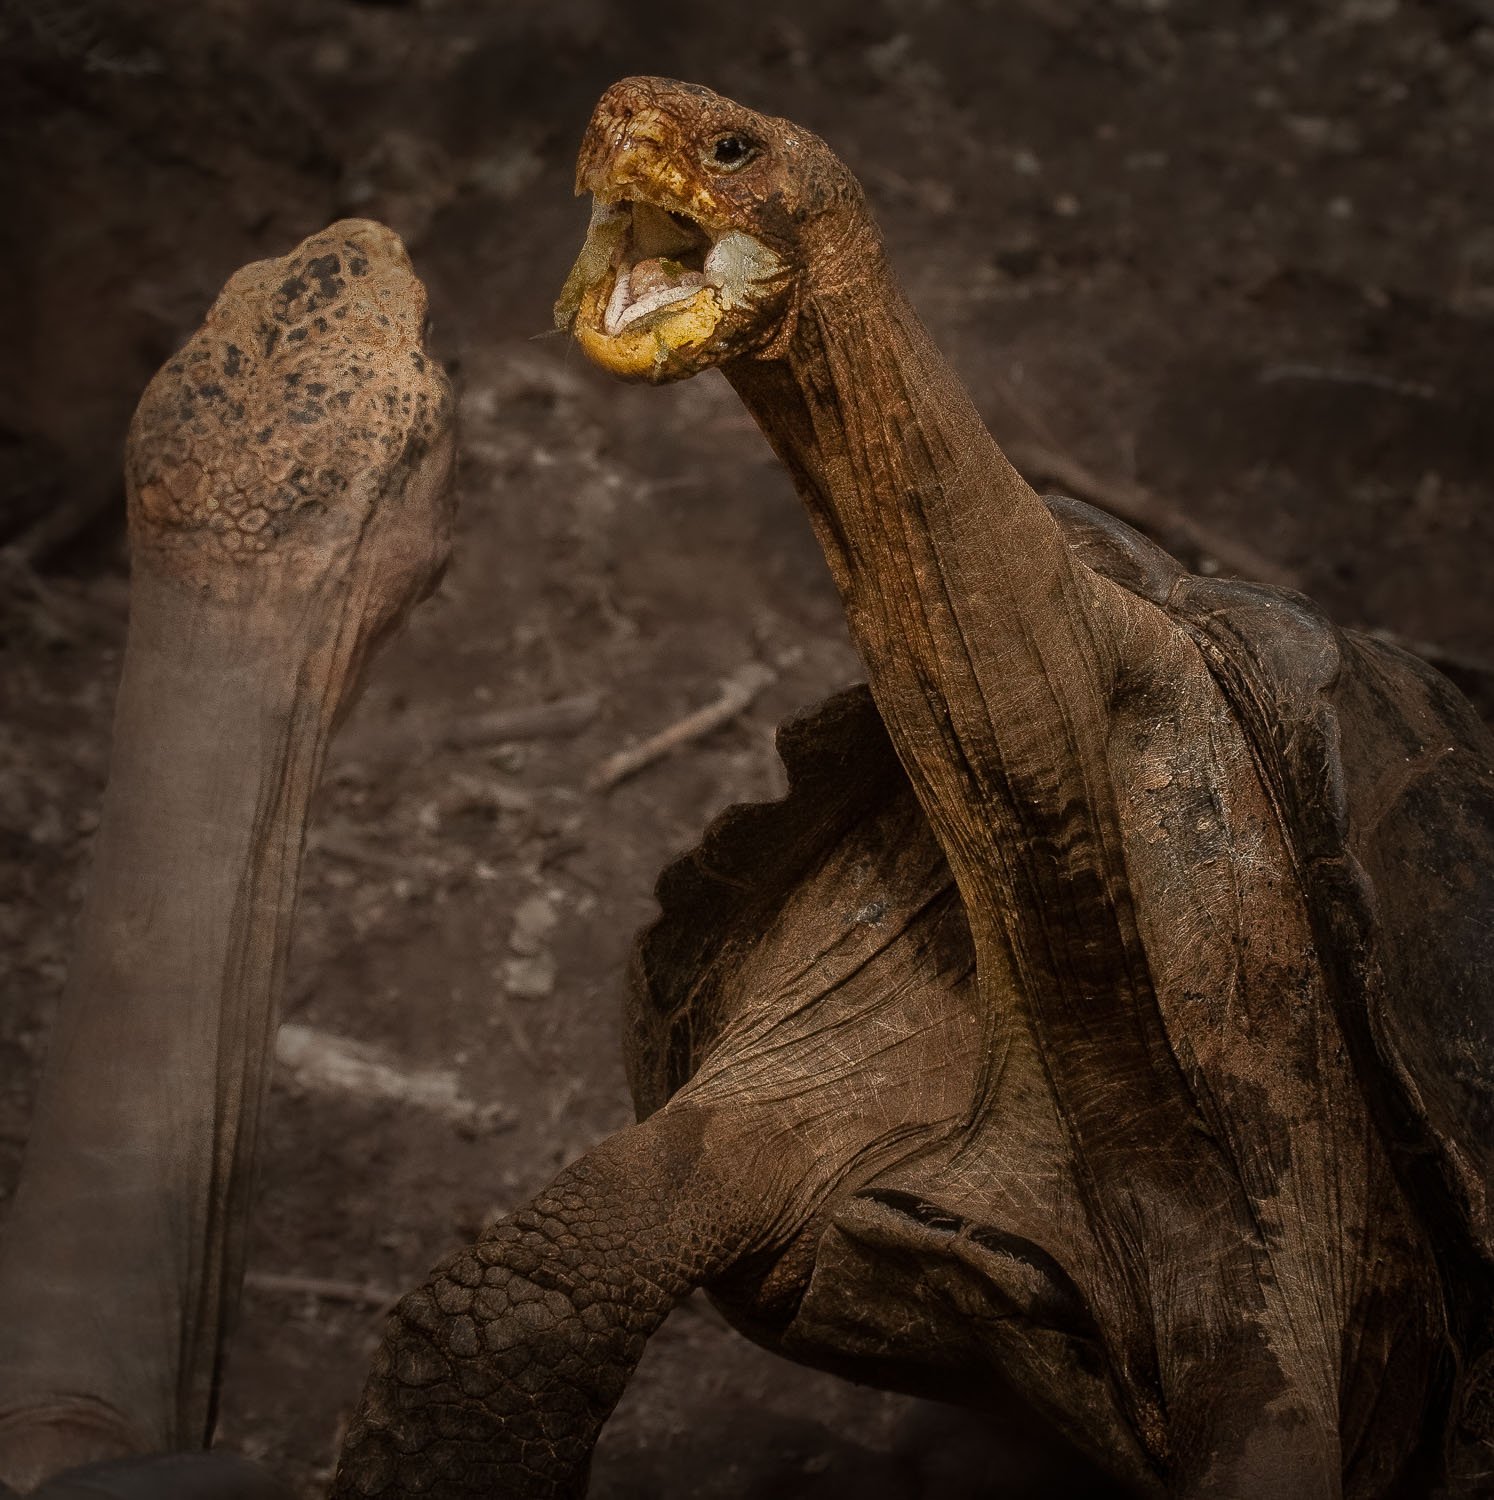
x=303, y=437
x=711, y=224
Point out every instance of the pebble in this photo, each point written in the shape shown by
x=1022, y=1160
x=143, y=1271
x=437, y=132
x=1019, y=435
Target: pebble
x=530, y=978
x=534, y=921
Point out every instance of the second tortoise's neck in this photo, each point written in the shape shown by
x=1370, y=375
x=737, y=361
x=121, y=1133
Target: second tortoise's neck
x=988, y=651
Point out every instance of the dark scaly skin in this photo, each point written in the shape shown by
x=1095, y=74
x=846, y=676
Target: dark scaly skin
x=496, y=1375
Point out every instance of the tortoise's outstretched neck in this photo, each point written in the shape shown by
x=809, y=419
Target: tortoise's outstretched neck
x=995, y=656
x=883, y=440
x=959, y=587
x=288, y=475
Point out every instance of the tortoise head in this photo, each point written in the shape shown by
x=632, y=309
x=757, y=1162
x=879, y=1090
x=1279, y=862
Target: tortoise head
x=710, y=224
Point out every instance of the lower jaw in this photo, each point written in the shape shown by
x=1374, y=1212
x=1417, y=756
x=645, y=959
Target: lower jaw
x=668, y=345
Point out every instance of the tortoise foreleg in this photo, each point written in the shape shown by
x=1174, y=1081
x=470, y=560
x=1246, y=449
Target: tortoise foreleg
x=495, y=1376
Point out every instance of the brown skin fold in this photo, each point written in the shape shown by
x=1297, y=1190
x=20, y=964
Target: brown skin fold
x=288, y=476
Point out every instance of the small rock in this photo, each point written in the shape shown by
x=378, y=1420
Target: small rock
x=510, y=758
x=48, y=831
x=531, y=977
x=1324, y=134
x=534, y=921
x=1473, y=288
x=331, y=56
x=885, y=59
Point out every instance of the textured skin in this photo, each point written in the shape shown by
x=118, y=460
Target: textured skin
x=307, y=376
x=1058, y=1046
x=497, y=1374
x=287, y=433
x=288, y=482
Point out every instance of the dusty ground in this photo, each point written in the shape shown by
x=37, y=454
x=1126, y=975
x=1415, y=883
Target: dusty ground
x=1237, y=260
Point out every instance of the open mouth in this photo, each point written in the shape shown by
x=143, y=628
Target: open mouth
x=665, y=258
x=654, y=289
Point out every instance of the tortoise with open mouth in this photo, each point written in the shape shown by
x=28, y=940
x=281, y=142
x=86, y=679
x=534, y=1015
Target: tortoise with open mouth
x=1104, y=1020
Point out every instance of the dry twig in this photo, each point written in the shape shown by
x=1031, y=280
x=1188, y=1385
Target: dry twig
x=1147, y=511
x=737, y=694
x=323, y=1288
x=1414, y=390
x=535, y=721
x=351, y=849
x=411, y=739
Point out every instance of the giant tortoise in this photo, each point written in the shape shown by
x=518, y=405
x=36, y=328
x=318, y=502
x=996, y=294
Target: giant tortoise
x=1103, y=1022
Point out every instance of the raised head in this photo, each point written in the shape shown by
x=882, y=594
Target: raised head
x=710, y=225
x=303, y=430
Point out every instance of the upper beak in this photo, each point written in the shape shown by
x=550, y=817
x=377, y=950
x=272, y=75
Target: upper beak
x=635, y=153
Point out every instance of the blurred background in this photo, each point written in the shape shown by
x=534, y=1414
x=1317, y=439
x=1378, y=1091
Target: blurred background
x=1224, y=266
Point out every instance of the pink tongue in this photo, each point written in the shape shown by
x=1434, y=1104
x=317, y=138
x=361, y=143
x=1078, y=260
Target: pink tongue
x=650, y=276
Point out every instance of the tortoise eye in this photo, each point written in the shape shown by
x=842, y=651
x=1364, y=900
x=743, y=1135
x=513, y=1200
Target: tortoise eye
x=732, y=152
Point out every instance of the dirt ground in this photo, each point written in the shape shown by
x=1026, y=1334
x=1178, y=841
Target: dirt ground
x=1228, y=265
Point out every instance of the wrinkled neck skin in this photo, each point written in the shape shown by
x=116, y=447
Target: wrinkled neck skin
x=994, y=658
x=1023, y=693
x=936, y=543
x=137, y=1175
